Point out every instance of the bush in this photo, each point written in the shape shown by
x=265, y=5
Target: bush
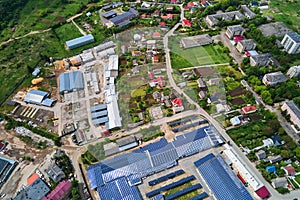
x=282, y=190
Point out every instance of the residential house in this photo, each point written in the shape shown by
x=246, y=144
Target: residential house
x=136, y=53
x=279, y=182
x=213, y=20
x=201, y=83
x=260, y=60
x=155, y=59
x=235, y=121
x=37, y=190
x=274, y=159
x=289, y=170
x=157, y=95
x=214, y=98
x=168, y=16
x=162, y=25
x=274, y=78
x=60, y=192
x=177, y=105
x=245, y=45
x=234, y=31
x=261, y=154
x=294, y=72
x=186, y=23
x=156, y=35
x=188, y=74
x=156, y=13
x=248, y=109
x=293, y=111
x=168, y=103
x=276, y=140
x=268, y=142
x=271, y=169
x=214, y=81
x=159, y=82
x=291, y=43
x=202, y=94
x=247, y=12
x=55, y=173
x=220, y=108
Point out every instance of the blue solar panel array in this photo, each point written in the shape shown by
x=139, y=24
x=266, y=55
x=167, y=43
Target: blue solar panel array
x=158, y=197
x=166, y=177
x=183, y=192
x=200, y=196
x=220, y=178
x=119, y=189
x=170, y=186
x=148, y=160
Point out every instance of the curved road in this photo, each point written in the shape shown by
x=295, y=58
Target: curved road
x=274, y=194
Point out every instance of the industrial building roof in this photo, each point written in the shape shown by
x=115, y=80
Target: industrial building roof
x=104, y=46
x=113, y=63
x=99, y=121
x=37, y=190
x=294, y=36
x=220, y=178
x=113, y=112
x=38, y=97
x=124, y=17
x=151, y=158
x=109, y=14
x=6, y=168
x=70, y=81
x=99, y=114
x=79, y=41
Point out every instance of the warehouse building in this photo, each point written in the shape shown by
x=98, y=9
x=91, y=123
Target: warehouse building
x=291, y=43
x=6, y=168
x=38, y=97
x=124, y=19
x=78, y=42
x=70, y=81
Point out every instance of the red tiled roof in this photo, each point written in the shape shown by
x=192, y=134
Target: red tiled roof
x=190, y=4
x=247, y=54
x=290, y=170
x=203, y=2
x=186, y=22
x=156, y=34
x=155, y=58
x=238, y=38
x=162, y=24
x=32, y=178
x=168, y=16
x=61, y=189
x=248, y=109
x=262, y=192
x=173, y=1
x=177, y=101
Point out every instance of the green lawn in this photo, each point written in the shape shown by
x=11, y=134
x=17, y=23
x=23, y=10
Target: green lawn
x=197, y=56
x=67, y=32
x=287, y=12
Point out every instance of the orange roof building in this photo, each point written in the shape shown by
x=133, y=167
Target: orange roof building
x=32, y=178
x=248, y=109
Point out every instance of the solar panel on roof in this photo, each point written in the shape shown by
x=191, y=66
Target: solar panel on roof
x=200, y=196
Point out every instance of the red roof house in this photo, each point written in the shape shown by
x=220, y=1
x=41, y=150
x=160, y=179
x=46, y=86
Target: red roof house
x=162, y=24
x=177, y=102
x=32, y=178
x=190, y=4
x=156, y=35
x=238, y=38
x=290, y=170
x=172, y=1
x=155, y=59
x=248, y=109
x=61, y=191
x=168, y=16
x=151, y=75
x=263, y=192
x=143, y=16
x=159, y=82
x=186, y=23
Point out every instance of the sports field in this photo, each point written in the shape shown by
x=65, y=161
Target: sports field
x=197, y=56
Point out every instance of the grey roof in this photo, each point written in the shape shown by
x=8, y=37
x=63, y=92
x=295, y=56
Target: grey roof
x=109, y=14
x=55, y=173
x=248, y=12
x=248, y=42
x=113, y=63
x=104, y=46
x=235, y=28
x=38, y=97
x=124, y=17
x=126, y=140
x=294, y=36
x=276, y=77
x=36, y=191
x=294, y=108
x=70, y=81
x=261, y=57
x=71, y=44
x=201, y=82
x=99, y=114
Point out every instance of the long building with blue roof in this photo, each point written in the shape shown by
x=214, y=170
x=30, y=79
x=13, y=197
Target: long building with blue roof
x=151, y=158
x=71, y=81
x=80, y=41
x=223, y=183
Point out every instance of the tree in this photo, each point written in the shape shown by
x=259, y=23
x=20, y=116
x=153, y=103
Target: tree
x=266, y=96
x=285, y=154
x=297, y=152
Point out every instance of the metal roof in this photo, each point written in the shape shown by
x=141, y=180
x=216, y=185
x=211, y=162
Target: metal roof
x=71, y=44
x=37, y=190
x=294, y=36
x=113, y=112
x=294, y=108
x=104, y=46
x=113, y=62
x=99, y=121
x=220, y=178
x=99, y=114
x=98, y=107
x=70, y=81
x=35, y=96
x=124, y=17
x=109, y=14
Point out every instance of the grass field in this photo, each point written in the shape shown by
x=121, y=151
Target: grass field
x=287, y=12
x=67, y=32
x=197, y=56
x=41, y=14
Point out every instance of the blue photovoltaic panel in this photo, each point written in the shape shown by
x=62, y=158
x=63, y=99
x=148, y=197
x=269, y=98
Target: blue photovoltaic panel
x=158, y=197
x=109, y=14
x=200, y=196
x=153, y=146
x=166, y=177
x=221, y=180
